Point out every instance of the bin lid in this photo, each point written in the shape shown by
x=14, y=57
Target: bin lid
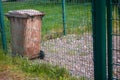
x=24, y=13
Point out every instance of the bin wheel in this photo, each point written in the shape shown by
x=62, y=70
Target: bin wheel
x=42, y=54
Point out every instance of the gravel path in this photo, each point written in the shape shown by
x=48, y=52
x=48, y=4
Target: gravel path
x=74, y=52
x=116, y=57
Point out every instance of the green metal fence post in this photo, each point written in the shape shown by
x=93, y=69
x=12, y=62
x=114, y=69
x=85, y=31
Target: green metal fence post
x=99, y=37
x=2, y=30
x=119, y=9
x=109, y=38
x=64, y=17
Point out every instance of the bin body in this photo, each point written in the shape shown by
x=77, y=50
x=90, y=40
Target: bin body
x=25, y=32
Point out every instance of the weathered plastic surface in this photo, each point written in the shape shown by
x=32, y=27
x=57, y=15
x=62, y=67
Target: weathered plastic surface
x=25, y=32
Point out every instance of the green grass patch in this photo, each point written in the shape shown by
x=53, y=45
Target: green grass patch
x=77, y=17
x=27, y=69
x=78, y=20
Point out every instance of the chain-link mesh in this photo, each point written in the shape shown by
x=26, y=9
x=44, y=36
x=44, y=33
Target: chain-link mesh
x=74, y=51
x=116, y=38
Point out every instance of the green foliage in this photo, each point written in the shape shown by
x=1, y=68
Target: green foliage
x=33, y=70
x=39, y=69
x=2, y=55
x=78, y=17
x=60, y=1
x=12, y=0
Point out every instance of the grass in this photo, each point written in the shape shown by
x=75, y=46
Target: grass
x=78, y=20
x=17, y=68
x=78, y=17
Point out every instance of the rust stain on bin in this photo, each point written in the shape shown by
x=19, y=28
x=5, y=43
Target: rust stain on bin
x=25, y=32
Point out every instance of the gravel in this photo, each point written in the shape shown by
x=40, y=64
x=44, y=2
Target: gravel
x=73, y=52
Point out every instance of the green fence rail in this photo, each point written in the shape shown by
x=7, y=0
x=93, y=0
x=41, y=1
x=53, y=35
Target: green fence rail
x=2, y=30
x=82, y=48
x=99, y=38
x=74, y=51
x=109, y=39
x=64, y=17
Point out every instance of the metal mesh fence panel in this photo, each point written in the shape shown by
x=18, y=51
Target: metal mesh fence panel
x=116, y=39
x=73, y=51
